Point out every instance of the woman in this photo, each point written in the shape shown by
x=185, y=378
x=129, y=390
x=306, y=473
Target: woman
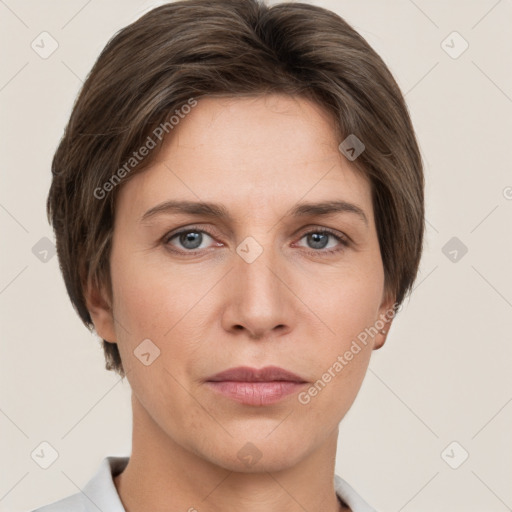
x=239, y=213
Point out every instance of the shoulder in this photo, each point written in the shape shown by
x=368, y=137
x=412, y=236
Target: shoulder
x=99, y=493
x=349, y=496
x=73, y=503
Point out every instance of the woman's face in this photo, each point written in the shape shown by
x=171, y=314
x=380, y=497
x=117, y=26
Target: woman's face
x=260, y=286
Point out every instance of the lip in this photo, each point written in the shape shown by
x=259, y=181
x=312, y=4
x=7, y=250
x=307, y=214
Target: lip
x=248, y=374
x=252, y=386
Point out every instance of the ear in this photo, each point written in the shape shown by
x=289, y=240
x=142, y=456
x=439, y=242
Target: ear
x=101, y=313
x=387, y=312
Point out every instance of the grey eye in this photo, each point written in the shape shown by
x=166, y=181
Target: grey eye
x=190, y=239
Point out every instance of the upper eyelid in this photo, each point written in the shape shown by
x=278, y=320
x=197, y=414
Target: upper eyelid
x=306, y=229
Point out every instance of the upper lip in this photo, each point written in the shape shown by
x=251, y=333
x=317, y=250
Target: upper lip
x=247, y=374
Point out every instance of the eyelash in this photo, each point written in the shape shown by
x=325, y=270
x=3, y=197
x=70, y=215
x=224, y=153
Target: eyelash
x=324, y=231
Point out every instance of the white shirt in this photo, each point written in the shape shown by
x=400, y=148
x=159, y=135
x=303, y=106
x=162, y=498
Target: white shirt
x=100, y=492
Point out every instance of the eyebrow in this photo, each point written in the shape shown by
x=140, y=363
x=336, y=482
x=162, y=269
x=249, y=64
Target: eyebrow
x=214, y=210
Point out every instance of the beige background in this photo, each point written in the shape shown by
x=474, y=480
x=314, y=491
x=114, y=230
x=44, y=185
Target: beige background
x=444, y=374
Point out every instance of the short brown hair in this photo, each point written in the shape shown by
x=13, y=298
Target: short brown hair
x=192, y=48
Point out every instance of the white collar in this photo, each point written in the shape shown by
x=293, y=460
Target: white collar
x=350, y=496
x=101, y=493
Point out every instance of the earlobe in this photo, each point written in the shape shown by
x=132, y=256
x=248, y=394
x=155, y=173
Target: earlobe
x=387, y=313
x=380, y=338
x=101, y=313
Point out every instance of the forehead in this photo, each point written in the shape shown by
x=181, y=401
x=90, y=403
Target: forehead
x=263, y=153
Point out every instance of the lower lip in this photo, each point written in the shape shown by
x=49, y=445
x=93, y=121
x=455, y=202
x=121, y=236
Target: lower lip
x=256, y=393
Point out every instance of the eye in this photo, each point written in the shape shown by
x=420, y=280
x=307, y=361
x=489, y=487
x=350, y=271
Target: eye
x=190, y=239
x=319, y=238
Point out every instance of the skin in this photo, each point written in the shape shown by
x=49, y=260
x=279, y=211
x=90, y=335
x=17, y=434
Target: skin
x=295, y=306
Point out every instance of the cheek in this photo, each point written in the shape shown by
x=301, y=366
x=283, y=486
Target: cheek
x=349, y=308
x=148, y=300
x=353, y=312
x=341, y=361
x=327, y=400
x=161, y=303
x=350, y=301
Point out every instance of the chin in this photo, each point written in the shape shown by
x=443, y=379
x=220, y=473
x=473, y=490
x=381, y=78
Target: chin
x=258, y=454
x=269, y=463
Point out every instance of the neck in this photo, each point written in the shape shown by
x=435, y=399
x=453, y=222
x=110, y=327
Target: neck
x=162, y=474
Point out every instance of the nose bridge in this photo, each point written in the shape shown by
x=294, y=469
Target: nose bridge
x=259, y=300
x=256, y=268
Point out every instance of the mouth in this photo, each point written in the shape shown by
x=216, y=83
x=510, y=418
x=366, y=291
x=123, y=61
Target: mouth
x=251, y=386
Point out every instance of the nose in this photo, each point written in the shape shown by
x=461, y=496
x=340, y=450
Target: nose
x=258, y=300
